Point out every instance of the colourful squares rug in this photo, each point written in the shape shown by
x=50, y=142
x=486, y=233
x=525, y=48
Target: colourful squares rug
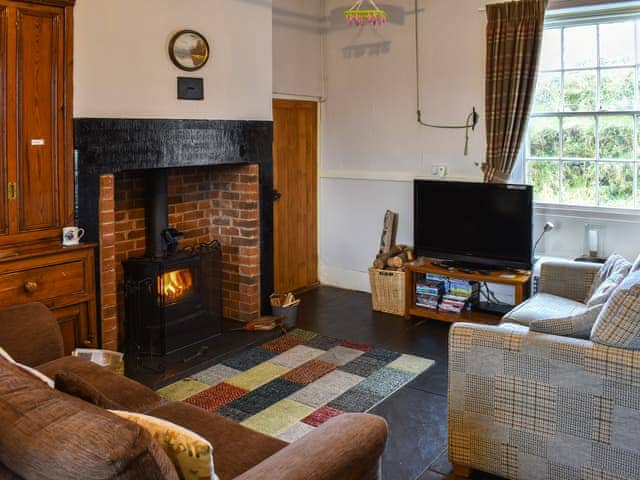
x=295, y=383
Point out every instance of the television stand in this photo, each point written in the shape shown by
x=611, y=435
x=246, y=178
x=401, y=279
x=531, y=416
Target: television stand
x=519, y=279
x=468, y=267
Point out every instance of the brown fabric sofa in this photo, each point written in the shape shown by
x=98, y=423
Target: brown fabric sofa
x=80, y=435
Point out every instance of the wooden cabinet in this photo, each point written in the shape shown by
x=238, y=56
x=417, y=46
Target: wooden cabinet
x=63, y=280
x=36, y=161
x=36, y=169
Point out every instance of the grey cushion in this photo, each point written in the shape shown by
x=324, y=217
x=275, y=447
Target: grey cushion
x=548, y=313
x=578, y=325
x=612, y=272
x=619, y=323
x=544, y=305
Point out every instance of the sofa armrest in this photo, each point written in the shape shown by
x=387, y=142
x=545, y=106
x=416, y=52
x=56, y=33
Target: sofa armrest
x=347, y=447
x=519, y=401
x=568, y=279
x=30, y=334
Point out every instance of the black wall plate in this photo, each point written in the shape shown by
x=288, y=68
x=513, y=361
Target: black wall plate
x=190, y=88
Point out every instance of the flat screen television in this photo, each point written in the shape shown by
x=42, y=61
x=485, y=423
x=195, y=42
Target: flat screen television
x=488, y=225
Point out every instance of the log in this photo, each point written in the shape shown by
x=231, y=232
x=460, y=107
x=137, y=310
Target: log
x=388, y=238
x=381, y=259
x=398, y=260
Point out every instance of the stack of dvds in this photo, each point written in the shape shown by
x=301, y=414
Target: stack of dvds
x=439, y=278
x=429, y=293
x=462, y=294
x=452, y=304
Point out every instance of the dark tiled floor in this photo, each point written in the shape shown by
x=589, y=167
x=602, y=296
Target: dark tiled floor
x=417, y=414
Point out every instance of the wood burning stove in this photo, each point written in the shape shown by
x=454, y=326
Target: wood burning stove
x=173, y=302
x=173, y=297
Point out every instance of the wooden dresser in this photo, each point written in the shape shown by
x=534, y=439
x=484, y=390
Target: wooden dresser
x=36, y=168
x=62, y=279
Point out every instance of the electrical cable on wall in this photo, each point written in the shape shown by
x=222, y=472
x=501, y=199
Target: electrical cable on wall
x=472, y=118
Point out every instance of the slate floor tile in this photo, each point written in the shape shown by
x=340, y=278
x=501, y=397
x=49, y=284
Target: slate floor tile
x=417, y=424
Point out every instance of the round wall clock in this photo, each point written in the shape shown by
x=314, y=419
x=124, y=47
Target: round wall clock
x=189, y=50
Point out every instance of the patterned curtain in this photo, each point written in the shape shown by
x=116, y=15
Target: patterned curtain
x=514, y=38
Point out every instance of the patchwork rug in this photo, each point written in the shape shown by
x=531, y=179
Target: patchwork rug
x=291, y=385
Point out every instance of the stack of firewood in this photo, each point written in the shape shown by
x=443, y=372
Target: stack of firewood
x=395, y=258
x=392, y=256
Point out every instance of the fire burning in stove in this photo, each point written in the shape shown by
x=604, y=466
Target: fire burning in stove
x=175, y=285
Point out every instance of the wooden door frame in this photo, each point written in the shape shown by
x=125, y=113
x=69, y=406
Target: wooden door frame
x=319, y=102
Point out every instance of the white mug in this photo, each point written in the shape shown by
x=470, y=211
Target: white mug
x=71, y=236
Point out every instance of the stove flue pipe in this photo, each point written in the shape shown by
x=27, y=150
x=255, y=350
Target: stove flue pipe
x=156, y=211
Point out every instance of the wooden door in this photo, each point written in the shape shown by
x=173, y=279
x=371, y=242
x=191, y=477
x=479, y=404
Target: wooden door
x=4, y=38
x=295, y=178
x=40, y=145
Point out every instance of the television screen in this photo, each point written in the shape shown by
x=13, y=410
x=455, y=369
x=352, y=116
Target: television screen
x=476, y=223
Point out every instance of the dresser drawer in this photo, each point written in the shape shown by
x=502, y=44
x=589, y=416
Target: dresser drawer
x=43, y=283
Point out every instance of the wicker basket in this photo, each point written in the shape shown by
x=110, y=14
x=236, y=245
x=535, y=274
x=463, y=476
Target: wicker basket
x=388, y=291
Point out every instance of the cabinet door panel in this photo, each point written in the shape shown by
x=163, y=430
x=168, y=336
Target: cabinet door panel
x=40, y=120
x=4, y=174
x=75, y=327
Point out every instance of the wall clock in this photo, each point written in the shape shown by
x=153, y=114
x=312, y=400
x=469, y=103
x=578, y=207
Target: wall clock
x=189, y=50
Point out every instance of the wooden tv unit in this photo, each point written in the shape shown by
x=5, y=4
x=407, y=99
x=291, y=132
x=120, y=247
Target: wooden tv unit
x=519, y=279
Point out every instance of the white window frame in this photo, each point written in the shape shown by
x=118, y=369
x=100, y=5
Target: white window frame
x=629, y=11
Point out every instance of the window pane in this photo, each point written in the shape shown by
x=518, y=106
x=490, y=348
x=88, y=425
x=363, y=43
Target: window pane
x=616, y=137
x=616, y=44
x=580, y=47
x=616, y=184
x=579, y=183
x=551, y=55
x=545, y=178
x=580, y=91
x=616, y=90
x=544, y=137
x=579, y=137
x=547, y=98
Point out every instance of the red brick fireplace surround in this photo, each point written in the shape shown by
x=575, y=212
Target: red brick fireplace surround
x=205, y=203
x=220, y=187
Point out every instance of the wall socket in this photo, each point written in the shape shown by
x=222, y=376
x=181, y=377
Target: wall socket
x=439, y=171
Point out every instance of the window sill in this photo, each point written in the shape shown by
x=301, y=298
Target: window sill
x=588, y=213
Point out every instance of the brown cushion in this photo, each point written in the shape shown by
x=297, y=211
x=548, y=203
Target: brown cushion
x=72, y=384
x=6, y=474
x=30, y=334
x=47, y=434
x=236, y=449
x=126, y=393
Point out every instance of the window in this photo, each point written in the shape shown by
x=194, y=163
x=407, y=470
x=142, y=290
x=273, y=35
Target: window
x=583, y=138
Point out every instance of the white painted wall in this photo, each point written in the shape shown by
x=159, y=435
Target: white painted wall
x=372, y=145
x=298, y=27
x=370, y=132
x=122, y=66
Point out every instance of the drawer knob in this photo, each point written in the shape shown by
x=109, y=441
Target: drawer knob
x=31, y=287
x=89, y=341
